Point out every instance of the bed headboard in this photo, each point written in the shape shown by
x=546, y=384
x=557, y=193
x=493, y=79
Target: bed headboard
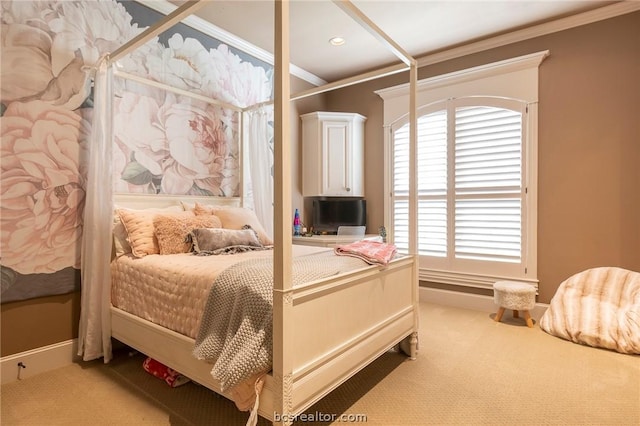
x=142, y=228
x=146, y=201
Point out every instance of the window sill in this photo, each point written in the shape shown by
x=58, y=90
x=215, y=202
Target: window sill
x=467, y=279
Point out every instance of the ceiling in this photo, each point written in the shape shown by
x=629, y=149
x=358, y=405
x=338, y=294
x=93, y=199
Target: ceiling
x=419, y=27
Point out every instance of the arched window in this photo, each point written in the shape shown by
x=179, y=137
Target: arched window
x=476, y=175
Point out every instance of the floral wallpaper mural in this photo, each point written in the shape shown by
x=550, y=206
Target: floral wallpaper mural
x=163, y=142
x=174, y=146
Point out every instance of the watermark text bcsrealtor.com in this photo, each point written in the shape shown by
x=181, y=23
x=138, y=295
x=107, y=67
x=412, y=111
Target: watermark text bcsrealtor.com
x=319, y=416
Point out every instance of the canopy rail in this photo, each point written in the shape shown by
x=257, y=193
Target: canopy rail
x=257, y=106
x=176, y=90
x=346, y=82
x=175, y=17
x=360, y=78
x=366, y=23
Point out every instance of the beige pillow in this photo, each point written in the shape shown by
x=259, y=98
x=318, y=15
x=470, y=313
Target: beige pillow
x=139, y=227
x=120, y=243
x=235, y=218
x=173, y=229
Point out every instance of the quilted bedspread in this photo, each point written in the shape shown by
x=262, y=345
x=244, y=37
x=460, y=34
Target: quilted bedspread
x=598, y=307
x=237, y=324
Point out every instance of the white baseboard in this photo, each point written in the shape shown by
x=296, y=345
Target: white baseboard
x=474, y=302
x=38, y=361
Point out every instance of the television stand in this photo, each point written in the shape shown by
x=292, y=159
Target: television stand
x=332, y=240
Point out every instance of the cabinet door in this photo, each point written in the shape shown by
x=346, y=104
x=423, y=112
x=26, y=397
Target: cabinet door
x=337, y=158
x=333, y=156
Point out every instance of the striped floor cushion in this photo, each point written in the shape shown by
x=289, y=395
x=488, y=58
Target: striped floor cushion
x=598, y=307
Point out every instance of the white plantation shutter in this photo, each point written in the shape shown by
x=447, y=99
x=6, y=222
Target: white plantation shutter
x=432, y=227
x=401, y=189
x=470, y=182
x=432, y=185
x=400, y=225
x=488, y=183
x=488, y=229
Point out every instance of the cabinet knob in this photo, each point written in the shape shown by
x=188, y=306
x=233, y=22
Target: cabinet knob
x=348, y=189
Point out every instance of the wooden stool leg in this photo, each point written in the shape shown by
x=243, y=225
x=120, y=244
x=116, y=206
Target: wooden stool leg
x=515, y=313
x=499, y=314
x=527, y=317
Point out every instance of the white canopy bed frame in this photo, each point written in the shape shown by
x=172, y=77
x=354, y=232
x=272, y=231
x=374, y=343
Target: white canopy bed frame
x=376, y=307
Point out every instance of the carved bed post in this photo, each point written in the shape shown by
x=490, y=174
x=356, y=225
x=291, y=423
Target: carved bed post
x=282, y=286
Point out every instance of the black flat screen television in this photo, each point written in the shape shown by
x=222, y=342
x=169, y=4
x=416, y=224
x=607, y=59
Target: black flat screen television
x=328, y=214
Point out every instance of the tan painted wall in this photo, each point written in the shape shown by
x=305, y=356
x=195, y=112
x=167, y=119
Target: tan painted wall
x=589, y=144
x=39, y=322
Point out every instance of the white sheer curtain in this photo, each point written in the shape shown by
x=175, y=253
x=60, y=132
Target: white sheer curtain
x=258, y=160
x=94, y=336
x=94, y=339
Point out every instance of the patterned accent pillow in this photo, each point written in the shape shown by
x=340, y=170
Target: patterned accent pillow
x=235, y=218
x=172, y=230
x=120, y=236
x=207, y=240
x=138, y=225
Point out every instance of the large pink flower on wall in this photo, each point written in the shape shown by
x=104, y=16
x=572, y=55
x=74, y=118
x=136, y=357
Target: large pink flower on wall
x=192, y=131
x=43, y=147
x=140, y=138
x=183, y=64
x=178, y=147
x=237, y=82
x=48, y=47
x=203, y=151
x=217, y=73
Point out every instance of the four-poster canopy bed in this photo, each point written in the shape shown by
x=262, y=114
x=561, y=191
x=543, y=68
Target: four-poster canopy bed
x=325, y=329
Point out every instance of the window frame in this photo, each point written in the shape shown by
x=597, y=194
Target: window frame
x=450, y=262
x=515, y=80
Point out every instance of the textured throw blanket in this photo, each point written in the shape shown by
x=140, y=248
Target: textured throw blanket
x=237, y=324
x=598, y=307
x=372, y=252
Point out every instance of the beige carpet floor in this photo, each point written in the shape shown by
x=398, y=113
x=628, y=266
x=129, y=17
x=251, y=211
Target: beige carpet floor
x=470, y=371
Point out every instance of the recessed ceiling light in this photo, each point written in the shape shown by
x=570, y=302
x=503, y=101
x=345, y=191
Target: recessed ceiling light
x=337, y=41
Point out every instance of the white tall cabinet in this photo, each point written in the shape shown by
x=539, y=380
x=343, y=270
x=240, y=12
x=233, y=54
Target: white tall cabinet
x=333, y=154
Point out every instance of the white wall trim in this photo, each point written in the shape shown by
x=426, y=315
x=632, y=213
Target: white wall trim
x=474, y=302
x=468, y=279
x=38, y=360
x=518, y=63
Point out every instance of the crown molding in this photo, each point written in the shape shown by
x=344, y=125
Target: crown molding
x=206, y=27
x=532, y=60
x=562, y=24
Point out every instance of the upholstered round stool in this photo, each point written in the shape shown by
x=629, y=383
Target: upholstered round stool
x=514, y=295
